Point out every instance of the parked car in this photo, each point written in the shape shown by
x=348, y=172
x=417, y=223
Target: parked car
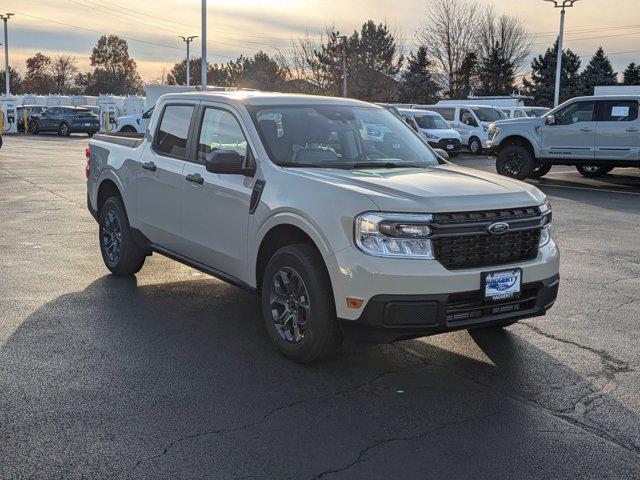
x=514, y=112
x=135, y=123
x=65, y=121
x=470, y=121
x=31, y=110
x=284, y=196
x=435, y=129
x=596, y=134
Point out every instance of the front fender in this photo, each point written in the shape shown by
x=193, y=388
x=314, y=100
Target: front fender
x=532, y=138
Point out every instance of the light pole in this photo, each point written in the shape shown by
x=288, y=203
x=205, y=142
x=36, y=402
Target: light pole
x=563, y=4
x=5, y=19
x=188, y=40
x=203, y=71
x=344, y=66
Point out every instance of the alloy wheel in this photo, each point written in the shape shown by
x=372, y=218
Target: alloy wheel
x=514, y=163
x=111, y=237
x=290, y=308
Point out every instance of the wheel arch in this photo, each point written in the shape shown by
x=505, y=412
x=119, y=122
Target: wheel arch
x=519, y=140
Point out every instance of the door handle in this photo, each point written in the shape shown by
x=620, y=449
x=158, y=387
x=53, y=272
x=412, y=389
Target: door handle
x=586, y=129
x=632, y=129
x=195, y=178
x=150, y=166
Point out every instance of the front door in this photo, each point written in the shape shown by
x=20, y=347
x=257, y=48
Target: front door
x=573, y=134
x=216, y=206
x=159, y=177
x=465, y=125
x=618, y=130
x=49, y=119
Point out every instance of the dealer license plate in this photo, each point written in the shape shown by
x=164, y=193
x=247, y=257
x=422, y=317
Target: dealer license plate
x=502, y=285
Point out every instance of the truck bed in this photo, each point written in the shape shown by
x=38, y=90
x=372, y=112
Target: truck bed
x=131, y=140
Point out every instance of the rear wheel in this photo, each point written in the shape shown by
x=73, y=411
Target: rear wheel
x=591, y=171
x=515, y=161
x=34, y=127
x=541, y=170
x=298, y=305
x=475, y=146
x=120, y=253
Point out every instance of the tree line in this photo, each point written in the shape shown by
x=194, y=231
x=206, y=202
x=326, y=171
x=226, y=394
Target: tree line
x=461, y=49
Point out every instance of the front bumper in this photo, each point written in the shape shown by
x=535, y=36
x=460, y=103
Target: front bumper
x=389, y=318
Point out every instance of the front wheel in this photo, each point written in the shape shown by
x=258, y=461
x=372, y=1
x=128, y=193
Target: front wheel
x=541, y=170
x=64, y=130
x=34, y=127
x=298, y=305
x=120, y=253
x=515, y=161
x=475, y=146
x=591, y=171
x=128, y=129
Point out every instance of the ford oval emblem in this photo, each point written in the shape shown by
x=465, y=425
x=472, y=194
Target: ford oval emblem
x=498, y=228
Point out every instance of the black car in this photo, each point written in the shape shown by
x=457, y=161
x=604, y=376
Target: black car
x=31, y=111
x=65, y=121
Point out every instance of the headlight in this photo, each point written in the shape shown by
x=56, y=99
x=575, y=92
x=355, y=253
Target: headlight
x=545, y=233
x=394, y=235
x=493, y=131
x=430, y=135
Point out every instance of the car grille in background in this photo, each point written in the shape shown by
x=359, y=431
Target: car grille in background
x=449, y=141
x=461, y=240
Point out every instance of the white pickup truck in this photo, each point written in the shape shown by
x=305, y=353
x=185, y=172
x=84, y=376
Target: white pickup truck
x=287, y=196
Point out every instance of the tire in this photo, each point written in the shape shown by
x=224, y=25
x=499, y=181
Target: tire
x=128, y=129
x=119, y=251
x=541, y=170
x=515, y=161
x=91, y=134
x=290, y=272
x=475, y=146
x=64, y=130
x=34, y=128
x=592, y=171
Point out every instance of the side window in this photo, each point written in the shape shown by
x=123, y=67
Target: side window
x=448, y=114
x=173, y=131
x=507, y=113
x=148, y=113
x=618, y=111
x=577, y=112
x=220, y=130
x=466, y=117
x=518, y=114
x=409, y=121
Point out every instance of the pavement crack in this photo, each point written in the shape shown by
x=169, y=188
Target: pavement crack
x=382, y=442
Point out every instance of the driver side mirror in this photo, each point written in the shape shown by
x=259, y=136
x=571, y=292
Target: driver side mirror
x=228, y=162
x=550, y=120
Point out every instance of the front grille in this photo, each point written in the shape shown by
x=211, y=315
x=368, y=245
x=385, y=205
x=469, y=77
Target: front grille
x=461, y=240
x=471, y=306
x=449, y=141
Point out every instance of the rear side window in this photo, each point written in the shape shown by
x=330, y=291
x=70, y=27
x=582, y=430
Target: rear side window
x=173, y=131
x=448, y=114
x=618, y=111
x=220, y=131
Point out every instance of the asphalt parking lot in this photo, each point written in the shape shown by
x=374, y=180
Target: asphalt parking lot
x=170, y=375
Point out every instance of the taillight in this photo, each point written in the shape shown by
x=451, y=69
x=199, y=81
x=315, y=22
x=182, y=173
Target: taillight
x=87, y=153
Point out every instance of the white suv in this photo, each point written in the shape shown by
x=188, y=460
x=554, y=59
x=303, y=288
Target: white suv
x=288, y=196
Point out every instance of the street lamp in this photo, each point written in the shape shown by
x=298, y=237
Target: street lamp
x=563, y=4
x=188, y=40
x=203, y=70
x=5, y=19
x=344, y=65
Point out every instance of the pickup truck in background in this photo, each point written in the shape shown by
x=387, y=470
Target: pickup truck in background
x=595, y=134
x=288, y=197
x=135, y=123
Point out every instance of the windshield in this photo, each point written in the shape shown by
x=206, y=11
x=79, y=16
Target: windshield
x=487, y=114
x=332, y=136
x=431, y=121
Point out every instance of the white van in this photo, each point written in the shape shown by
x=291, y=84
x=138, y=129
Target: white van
x=434, y=128
x=470, y=121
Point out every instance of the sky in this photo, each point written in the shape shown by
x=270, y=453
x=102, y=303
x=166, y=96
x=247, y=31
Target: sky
x=243, y=27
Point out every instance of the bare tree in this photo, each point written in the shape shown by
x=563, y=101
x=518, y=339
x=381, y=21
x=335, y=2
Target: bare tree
x=301, y=64
x=507, y=34
x=450, y=33
x=64, y=69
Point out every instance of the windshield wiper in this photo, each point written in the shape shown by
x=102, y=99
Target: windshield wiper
x=385, y=165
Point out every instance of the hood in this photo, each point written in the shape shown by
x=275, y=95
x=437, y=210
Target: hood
x=523, y=121
x=442, y=132
x=133, y=117
x=444, y=188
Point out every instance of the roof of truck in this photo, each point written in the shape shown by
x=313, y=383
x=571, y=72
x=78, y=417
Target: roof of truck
x=251, y=97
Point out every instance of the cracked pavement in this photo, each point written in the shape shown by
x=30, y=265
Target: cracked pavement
x=171, y=375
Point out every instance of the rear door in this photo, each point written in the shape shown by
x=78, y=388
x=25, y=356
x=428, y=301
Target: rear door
x=618, y=130
x=216, y=206
x=573, y=135
x=159, y=181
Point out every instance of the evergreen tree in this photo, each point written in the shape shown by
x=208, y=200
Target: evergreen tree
x=417, y=84
x=598, y=72
x=631, y=75
x=543, y=73
x=15, y=81
x=466, y=78
x=496, y=73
